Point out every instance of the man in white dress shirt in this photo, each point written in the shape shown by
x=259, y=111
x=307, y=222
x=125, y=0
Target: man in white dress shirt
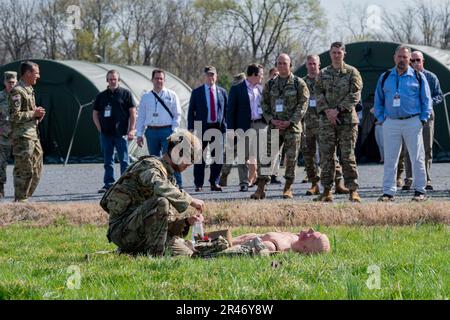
x=158, y=117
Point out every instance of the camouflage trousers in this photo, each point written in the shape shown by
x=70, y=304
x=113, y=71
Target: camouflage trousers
x=5, y=151
x=146, y=230
x=342, y=137
x=28, y=160
x=250, y=248
x=309, y=149
x=291, y=142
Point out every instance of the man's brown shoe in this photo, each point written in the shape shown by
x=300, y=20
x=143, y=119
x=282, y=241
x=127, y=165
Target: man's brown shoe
x=419, y=197
x=215, y=187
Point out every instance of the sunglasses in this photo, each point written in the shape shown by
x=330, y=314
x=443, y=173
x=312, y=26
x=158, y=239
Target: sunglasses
x=415, y=60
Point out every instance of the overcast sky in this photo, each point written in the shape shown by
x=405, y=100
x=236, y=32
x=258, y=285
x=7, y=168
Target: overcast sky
x=334, y=9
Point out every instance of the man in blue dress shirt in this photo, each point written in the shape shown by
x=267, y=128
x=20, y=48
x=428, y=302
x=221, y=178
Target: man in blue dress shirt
x=403, y=105
x=417, y=62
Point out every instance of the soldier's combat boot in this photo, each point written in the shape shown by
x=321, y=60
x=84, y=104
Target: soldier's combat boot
x=261, y=191
x=326, y=196
x=2, y=191
x=354, y=196
x=314, y=190
x=287, y=192
x=339, y=187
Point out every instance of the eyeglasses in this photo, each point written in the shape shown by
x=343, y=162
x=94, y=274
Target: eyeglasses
x=415, y=60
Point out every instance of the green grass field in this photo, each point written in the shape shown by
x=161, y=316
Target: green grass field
x=44, y=263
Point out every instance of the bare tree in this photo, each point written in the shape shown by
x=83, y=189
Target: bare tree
x=187, y=47
x=359, y=22
x=401, y=27
x=264, y=22
x=428, y=20
x=97, y=17
x=444, y=13
x=52, y=31
x=18, y=31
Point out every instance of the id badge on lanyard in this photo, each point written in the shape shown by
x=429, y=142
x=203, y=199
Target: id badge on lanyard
x=312, y=103
x=396, y=102
x=107, y=113
x=279, y=105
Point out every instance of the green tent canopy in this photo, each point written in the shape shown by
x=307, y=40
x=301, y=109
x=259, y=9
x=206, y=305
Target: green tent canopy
x=372, y=58
x=67, y=89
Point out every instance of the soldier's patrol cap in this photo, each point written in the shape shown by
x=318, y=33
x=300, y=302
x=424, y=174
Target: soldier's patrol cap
x=210, y=69
x=9, y=75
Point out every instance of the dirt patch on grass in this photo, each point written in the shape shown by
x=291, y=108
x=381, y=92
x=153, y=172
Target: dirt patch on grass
x=247, y=213
x=282, y=213
x=44, y=214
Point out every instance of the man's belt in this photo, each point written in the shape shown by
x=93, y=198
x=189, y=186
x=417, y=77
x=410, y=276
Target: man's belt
x=213, y=125
x=159, y=127
x=408, y=117
x=259, y=120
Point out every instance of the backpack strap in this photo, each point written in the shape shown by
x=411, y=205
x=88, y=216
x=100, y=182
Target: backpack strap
x=385, y=76
x=387, y=73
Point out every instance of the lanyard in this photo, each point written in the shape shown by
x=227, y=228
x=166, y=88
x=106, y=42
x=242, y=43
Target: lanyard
x=156, y=102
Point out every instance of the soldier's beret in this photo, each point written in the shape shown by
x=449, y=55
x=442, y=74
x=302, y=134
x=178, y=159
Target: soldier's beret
x=10, y=75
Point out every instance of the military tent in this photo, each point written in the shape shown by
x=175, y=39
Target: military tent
x=67, y=89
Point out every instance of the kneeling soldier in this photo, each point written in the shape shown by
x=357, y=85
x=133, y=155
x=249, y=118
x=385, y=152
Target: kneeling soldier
x=148, y=213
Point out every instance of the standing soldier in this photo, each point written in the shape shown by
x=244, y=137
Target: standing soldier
x=25, y=117
x=338, y=91
x=284, y=104
x=5, y=129
x=311, y=132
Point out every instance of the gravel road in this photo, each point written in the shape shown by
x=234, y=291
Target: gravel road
x=80, y=182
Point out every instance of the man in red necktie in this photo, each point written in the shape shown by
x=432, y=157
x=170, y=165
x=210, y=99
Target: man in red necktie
x=208, y=105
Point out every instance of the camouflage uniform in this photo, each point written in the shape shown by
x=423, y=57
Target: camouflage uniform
x=341, y=90
x=5, y=145
x=147, y=211
x=294, y=93
x=311, y=137
x=27, y=150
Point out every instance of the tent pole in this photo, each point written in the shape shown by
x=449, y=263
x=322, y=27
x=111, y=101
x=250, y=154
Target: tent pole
x=81, y=107
x=446, y=112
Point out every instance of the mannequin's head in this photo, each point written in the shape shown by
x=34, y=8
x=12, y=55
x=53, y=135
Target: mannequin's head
x=310, y=241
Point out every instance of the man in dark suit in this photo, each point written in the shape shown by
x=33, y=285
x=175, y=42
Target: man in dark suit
x=208, y=105
x=244, y=112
